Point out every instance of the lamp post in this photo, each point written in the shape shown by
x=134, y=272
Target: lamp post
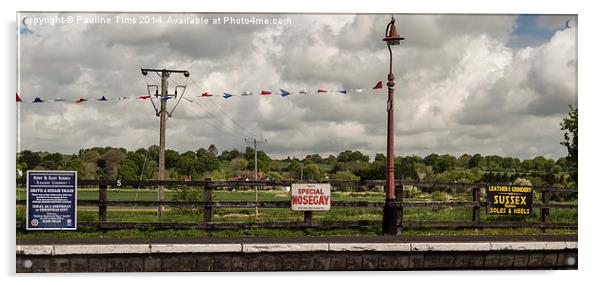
x=390, y=215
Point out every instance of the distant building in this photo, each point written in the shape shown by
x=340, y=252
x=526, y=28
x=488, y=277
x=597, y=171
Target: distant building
x=250, y=175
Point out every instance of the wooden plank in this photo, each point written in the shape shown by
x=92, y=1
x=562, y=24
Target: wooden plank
x=281, y=204
x=439, y=204
x=313, y=224
x=267, y=183
x=487, y=224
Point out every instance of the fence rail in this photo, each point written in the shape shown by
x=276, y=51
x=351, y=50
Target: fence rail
x=208, y=205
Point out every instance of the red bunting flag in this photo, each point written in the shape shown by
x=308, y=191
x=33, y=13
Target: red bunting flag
x=378, y=85
x=322, y=91
x=263, y=92
x=144, y=97
x=18, y=98
x=206, y=94
x=80, y=100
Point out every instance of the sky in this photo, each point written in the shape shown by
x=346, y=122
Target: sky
x=489, y=84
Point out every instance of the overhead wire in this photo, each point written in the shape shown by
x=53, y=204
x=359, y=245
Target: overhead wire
x=244, y=133
x=212, y=125
x=219, y=108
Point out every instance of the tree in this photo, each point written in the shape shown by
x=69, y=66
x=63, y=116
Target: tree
x=476, y=161
x=380, y=157
x=112, y=158
x=186, y=166
x=331, y=159
x=230, y=155
x=463, y=161
x=207, y=162
x=446, y=163
x=432, y=160
x=91, y=156
x=30, y=159
x=263, y=160
x=171, y=158
x=153, y=152
x=345, y=175
x=311, y=171
x=53, y=161
x=294, y=169
x=213, y=150
x=349, y=156
x=75, y=164
x=128, y=170
x=539, y=163
x=315, y=158
x=569, y=125
x=239, y=164
x=274, y=176
x=21, y=166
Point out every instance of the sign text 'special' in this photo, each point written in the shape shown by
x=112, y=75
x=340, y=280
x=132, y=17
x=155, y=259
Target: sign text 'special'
x=310, y=197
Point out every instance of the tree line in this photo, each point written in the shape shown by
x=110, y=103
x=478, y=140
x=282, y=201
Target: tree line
x=142, y=164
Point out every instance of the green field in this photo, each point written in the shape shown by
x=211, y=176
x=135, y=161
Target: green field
x=195, y=214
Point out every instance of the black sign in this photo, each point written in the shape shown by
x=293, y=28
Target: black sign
x=51, y=200
x=509, y=200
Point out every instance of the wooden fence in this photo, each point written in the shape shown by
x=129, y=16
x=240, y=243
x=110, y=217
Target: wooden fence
x=208, y=204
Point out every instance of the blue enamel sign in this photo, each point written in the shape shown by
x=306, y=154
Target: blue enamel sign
x=51, y=200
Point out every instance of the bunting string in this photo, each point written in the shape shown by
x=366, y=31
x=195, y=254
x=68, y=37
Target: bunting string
x=282, y=92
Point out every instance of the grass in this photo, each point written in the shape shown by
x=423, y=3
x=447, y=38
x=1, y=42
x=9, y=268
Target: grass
x=190, y=214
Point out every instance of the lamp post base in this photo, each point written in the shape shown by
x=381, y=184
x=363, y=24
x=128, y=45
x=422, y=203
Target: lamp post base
x=390, y=217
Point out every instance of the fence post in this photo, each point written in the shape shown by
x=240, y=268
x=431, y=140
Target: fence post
x=476, y=208
x=545, y=210
x=399, y=209
x=102, y=201
x=208, y=207
x=307, y=216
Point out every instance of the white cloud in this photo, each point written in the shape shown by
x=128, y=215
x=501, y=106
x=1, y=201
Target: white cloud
x=459, y=87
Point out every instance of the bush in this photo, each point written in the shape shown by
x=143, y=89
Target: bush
x=189, y=194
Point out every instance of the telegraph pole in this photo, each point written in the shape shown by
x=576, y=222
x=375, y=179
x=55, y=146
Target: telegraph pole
x=255, y=149
x=163, y=115
x=162, y=123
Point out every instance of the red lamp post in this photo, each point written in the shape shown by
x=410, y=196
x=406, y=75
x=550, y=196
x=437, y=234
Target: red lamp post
x=390, y=213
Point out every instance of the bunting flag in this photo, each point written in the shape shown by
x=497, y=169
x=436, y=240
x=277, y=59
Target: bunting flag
x=378, y=85
x=262, y=92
